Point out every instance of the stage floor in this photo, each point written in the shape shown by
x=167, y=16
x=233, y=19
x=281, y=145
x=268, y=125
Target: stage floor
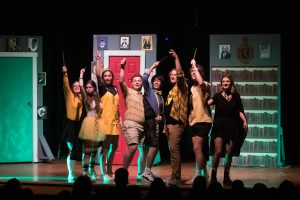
x=51, y=177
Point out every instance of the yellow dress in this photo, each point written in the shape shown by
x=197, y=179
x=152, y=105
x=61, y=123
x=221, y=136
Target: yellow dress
x=91, y=128
x=110, y=121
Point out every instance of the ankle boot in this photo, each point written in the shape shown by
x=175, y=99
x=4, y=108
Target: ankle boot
x=213, y=178
x=71, y=168
x=227, y=181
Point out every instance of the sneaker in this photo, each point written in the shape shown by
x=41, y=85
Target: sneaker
x=191, y=181
x=147, y=175
x=71, y=176
x=173, y=181
x=85, y=173
x=205, y=174
x=109, y=178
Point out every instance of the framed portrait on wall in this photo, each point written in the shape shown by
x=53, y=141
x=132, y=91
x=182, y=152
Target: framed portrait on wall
x=125, y=42
x=12, y=44
x=33, y=44
x=42, y=112
x=264, y=51
x=41, y=78
x=224, y=51
x=146, y=42
x=102, y=43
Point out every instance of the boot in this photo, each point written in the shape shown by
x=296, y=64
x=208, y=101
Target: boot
x=71, y=168
x=213, y=178
x=227, y=181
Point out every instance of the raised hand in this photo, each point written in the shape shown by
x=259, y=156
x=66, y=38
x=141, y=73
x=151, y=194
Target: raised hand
x=98, y=55
x=123, y=63
x=64, y=69
x=173, y=53
x=193, y=62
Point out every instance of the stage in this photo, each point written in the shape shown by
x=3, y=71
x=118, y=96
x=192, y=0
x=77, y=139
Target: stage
x=51, y=177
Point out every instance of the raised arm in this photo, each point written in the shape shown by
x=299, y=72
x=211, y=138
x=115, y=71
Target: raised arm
x=182, y=85
x=196, y=72
x=65, y=78
x=153, y=66
x=122, y=71
x=121, y=78
x=81, y=84
x=146, y=76
x=99, y=68
x=177, y=61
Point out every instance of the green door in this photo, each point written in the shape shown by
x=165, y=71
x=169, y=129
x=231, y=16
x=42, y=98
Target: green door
x=16, y=127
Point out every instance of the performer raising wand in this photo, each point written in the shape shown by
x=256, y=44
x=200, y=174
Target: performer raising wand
x=90, y=132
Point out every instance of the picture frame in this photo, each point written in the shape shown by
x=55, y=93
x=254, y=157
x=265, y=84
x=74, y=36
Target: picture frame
x=42, y=112
x=147, y=42
x=12, y=44
x=224, y=51
x=102, y=43
x=125, y=42
x=264, y=51
x=41, y=78
x=33, y=44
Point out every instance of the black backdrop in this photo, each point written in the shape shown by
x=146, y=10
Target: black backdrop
x=69, y=26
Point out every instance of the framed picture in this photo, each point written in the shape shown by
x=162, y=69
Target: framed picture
x=33, y=44
x=224, y=51
x=41, y=78
x=102, y=43
x=12, y=44
x=146, y=42
x=42, y=112
x=264, y=51
x=125, y=42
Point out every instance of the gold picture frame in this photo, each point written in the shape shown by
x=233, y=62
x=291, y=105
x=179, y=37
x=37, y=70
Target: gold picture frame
x=147, y=42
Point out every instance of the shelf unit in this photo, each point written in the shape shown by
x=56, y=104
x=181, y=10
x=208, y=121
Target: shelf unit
x=258, y=87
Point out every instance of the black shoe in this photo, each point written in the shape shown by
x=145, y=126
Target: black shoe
x=213, y=179
x=227, y=181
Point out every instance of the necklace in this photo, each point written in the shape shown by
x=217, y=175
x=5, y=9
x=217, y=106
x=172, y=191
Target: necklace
x=228, y=97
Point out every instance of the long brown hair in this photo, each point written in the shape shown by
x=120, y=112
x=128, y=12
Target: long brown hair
x=94, y=97
x=91, y=97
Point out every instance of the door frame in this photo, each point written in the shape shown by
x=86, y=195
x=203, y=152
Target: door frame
x=34, y=56
x=141, y=54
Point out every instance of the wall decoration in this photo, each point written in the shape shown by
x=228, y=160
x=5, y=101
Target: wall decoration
x=102, y=43
x=245, y=52
x=12, y=44
x=33, y=44
x=224, y=51
x=41, y=78
x=42, y=112
x=125, y=42
x=146, y=42
x=264, y=51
